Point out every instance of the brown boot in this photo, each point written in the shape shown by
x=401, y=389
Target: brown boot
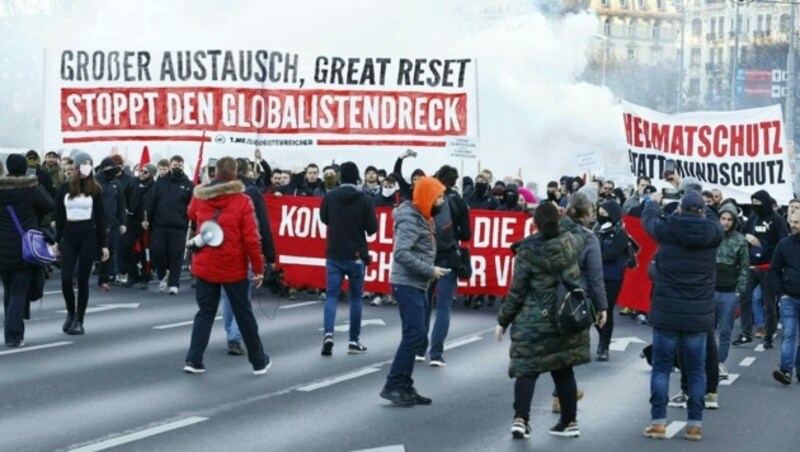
x=656, y=431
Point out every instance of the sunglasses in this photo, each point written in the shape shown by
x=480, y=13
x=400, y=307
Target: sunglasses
x=144, y=172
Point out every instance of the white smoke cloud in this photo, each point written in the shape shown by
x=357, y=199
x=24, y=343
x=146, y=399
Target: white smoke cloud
x=533, y=115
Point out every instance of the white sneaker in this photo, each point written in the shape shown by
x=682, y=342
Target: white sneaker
x=377, y=301
x=723, y=372
x=173, y=290
x=420, y=358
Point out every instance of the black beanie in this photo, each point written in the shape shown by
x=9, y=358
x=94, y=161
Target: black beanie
x=348, y=173
x=17, y=165
x=107, y=162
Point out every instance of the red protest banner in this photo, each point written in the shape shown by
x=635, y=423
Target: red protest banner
x=300, y=238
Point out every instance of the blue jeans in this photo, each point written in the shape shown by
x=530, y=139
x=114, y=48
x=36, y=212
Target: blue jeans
x=693, y=348
x=411, y=302
x=726, y=304
x=336, y=270
x=758, y=307
x=231, y=327
x=444, y=289
x=790, y=316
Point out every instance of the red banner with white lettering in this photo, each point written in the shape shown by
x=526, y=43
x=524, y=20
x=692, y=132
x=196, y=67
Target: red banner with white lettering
x=300, y=238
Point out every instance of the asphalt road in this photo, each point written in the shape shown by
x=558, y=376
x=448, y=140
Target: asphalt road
x=121, y=385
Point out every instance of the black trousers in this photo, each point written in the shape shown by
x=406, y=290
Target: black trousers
x=79, y=246
x=758, y=277
x=16, y=283
x=712, y=366
x=566, y=390
x=167, y=248
x=132, y=259
x=613, y=288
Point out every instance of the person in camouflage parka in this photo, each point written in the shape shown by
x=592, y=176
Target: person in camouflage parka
x=536, y=346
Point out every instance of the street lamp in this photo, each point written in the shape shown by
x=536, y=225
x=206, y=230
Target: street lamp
x=605, y=46
x=679, y=97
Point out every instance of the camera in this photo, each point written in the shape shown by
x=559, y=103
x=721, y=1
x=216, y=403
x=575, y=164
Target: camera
x=274, y=282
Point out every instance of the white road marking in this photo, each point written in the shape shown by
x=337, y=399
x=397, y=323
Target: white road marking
x=146, y=433
x=52, y=292
x=300, y=260
x=459, y=342
x=730, y=380
x=621, y=344
x=176, y=325
x=332, y=381
x=108, y=307
x=759, y=348
x=397, y=448
x=346, y=326
x=35, y=347
x=300, y=305
x=674, y=427
x=747, y=361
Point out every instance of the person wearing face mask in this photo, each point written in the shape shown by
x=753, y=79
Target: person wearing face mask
x=613, y=238
x=763, y=230
x=167, y=216
x=511, y=200
x=480, y=197
x=114, y=209
x=82, y=236
x=136, y=198
x=389, y=195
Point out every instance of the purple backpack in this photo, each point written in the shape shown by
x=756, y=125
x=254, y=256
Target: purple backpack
x=34, y=246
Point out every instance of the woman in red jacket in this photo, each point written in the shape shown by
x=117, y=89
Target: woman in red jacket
x=223, y=200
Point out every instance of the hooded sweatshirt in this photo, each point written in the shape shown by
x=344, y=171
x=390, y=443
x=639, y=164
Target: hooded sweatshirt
x=613, y=241
x=414, y=238
x=767, y=226
x=350, y=216
x=733, y=257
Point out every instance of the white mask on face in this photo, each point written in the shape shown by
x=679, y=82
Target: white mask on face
x=387, y=192
x=86, y=170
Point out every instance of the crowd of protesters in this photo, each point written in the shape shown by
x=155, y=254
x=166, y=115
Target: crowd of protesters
x=133, y=223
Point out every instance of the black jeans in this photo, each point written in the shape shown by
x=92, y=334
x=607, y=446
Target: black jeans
x=612, y=293
x=712, y=366
x=132, y=258
x=78, y=246
x=566, y=389
x=167, y=248
x=755, y=278
x=208, y=301
x=15, y=296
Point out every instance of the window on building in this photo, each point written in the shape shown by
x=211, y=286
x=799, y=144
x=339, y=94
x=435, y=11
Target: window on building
x=632, y=29
x=712, y=25
x=605, y=2
x=660, y=4
x=657, y=30
x=695, y=57
x=719, y=55
x=784, y=23
x=760, y=22
x=623, y=3
x=768, y=24
x=711, y=54
x=694, y=87
x=607, y=27
x=631, y=55
x=641, y=4
x=697, y=27
x=721, y=26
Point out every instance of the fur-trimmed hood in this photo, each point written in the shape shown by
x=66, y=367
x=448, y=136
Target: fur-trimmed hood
x=218, y=188
x=14, y=182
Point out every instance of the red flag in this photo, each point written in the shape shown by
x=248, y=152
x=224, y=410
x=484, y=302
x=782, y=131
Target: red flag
x=145, y=159
x=199, y=160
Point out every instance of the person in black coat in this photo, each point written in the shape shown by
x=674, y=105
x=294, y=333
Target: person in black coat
x=82, y=237
x=610, y=231
x=763, y=230
x=480, y=196
x=167, y=216
x=29, y=200
x=116, y=216
x=134, y=241
x=683, y=302
x=785, y=279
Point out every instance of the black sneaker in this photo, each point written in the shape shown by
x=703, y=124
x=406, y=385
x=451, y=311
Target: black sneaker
x=767, y=344
x=742, y=339
x=418, y=399
x=194, y=368
x=15, y=344
x=327, y=345
x=397, y=395
x=520, y=428
x=783, y=377
x=566, y=430
x=356, y=348
x=264, y=369
x=235, y=348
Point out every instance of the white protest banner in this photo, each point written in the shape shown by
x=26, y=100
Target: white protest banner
x=739, y=152
x=255, y=97
x=589, y=161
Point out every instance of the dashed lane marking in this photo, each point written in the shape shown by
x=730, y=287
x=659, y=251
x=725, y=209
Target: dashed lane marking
x=300, y=305
x=179, y=324
x=459, y=342
x=397, y=448
x=674, y=427
x=730, y=380
x=759, y=348
x=146, y=433
x=35, y=347
x=332, y=381
x=747, y=361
